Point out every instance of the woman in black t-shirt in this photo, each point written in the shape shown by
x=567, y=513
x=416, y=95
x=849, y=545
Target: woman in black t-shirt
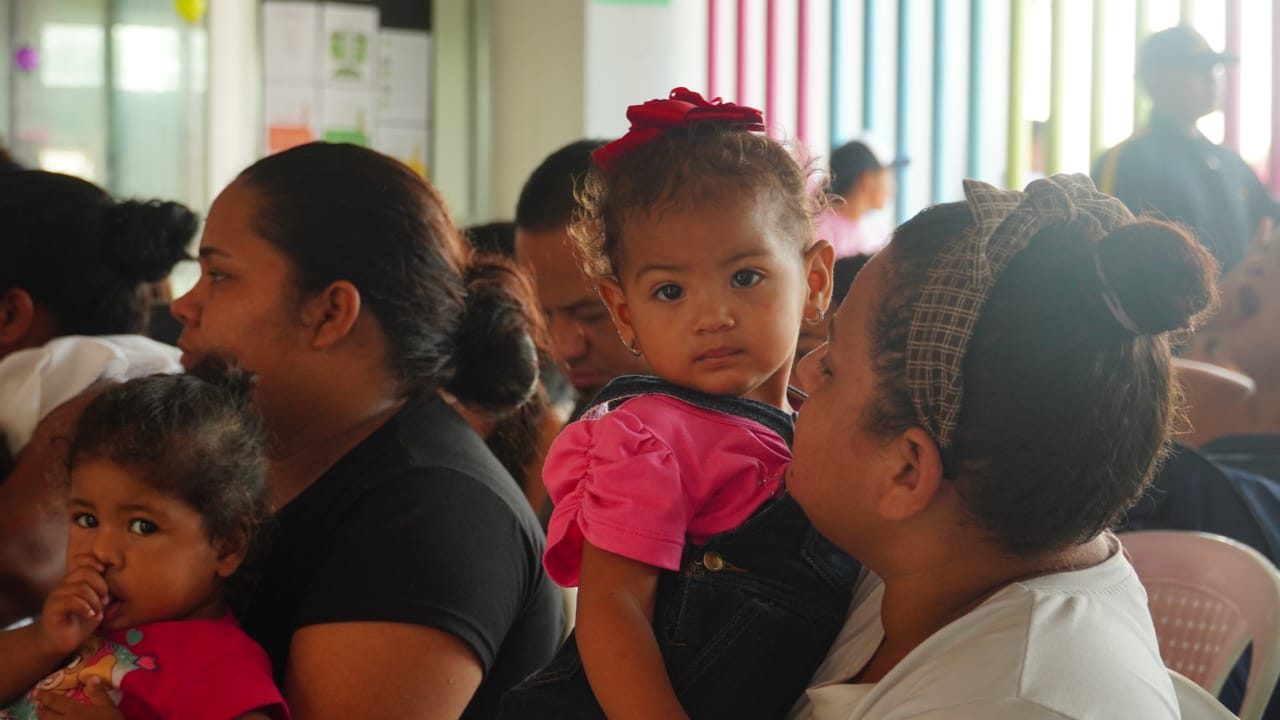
x=405, y=577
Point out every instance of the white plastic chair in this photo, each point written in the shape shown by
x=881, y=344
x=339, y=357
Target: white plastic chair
x=1195, y=703
x=1211, y=596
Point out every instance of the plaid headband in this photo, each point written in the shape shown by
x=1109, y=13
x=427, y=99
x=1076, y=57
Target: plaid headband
x=963, y=273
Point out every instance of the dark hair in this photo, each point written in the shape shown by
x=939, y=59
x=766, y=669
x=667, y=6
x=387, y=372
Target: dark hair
x=1065, y=413
x=82, y=255
x=548, y=200
x=7, y=163
x=495, y=238
x=344, y=212
x=843, y=272
x=848, y=164
x=516, y=431
x=706, y=163
x=195, y=437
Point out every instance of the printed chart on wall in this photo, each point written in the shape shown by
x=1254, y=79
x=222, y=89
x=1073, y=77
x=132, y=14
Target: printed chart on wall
x=332, y=73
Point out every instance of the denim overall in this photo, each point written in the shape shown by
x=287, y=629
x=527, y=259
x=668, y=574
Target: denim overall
x=745, y=621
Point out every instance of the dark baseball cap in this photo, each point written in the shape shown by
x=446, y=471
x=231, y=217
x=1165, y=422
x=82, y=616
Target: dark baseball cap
x=853, y=160
x=1179, y=47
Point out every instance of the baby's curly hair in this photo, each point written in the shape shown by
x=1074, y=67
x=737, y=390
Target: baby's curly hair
x=706, y=163
x=196, y=437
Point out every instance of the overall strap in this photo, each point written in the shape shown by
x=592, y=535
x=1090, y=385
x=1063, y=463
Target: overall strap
x=625, y=387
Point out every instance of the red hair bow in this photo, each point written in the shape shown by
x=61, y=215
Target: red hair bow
x=683, y=108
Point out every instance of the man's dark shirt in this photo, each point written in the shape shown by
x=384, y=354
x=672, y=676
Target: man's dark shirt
x=1162, y=171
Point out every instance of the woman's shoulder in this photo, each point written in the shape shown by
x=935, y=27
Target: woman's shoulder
x=424, y=463
x=427, y=438
x=1024, y=652
x=1040, y=640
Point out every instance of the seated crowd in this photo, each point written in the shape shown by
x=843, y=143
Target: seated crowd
x=652, y=450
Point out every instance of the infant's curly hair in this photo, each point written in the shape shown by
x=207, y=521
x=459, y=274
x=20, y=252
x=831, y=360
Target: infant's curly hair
x=705, y=163
x=195, y=437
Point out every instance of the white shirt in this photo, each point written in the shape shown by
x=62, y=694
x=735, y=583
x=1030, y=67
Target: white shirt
x=1076, y=644
x=35, y=381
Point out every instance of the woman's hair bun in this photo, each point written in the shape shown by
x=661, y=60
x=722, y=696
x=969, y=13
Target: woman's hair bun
x=145, y=239
x=1162, y=277
x=496, y=356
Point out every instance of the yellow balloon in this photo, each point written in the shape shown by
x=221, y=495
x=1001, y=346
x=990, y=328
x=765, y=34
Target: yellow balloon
x=192, y=10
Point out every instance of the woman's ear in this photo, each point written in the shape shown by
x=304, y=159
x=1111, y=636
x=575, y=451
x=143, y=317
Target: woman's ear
x=818, y=261
x=918, y=478
x=17, y=315
x=332, y=313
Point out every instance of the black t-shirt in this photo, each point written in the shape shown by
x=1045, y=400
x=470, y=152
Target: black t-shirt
x=418, y=524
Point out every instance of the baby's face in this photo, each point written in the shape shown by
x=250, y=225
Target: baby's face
x=713, y=297
x=159, y=561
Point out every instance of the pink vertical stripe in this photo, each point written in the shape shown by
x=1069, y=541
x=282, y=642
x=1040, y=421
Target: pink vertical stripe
x=1231, y=106
x=802, y=71
x=742, y=52
x=1273, y=168
x=771, y=68
x=713, y=23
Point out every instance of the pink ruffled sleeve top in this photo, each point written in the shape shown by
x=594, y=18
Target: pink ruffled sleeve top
x=642, y=479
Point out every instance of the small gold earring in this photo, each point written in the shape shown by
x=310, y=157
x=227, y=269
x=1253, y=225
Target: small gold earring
x=634, y=347
x=814, y=321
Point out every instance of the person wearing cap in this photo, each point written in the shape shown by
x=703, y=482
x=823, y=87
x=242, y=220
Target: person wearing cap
x=1170, y=169
x=858, y=184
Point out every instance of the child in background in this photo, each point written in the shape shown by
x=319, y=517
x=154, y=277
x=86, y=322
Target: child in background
x=860, y=188
x=703, y=591
x=167, y=491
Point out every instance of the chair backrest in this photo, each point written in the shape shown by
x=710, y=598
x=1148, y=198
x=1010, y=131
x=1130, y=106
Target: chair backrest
x=1194, y=702
x=1210, y=597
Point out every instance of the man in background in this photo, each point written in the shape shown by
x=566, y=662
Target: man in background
x=1169, y=169
x=583, y=339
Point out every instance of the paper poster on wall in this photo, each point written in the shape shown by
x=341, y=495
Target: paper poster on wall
x=403, y=70
x=292, y=115
x=408, y=145
x=290, y=42
x=347, y=115
x=319, y=67
x=404, y=58
x=349, y=35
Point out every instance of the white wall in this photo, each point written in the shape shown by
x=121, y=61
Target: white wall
x=562, y=70
x=538, y=81
x=233, y=119
x=452, y=124
x=636, y=52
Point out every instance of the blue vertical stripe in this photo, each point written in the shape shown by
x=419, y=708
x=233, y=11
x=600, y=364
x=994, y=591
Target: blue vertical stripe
x=937, y=139
x=868, y=64
x=902, y=108
x=837, y=73
x=973, y=160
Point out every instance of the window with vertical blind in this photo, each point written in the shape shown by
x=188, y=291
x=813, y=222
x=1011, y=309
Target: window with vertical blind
x=109, y=90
